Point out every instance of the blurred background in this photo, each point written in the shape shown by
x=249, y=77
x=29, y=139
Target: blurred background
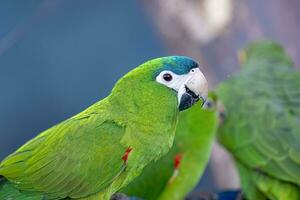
x=57, y=57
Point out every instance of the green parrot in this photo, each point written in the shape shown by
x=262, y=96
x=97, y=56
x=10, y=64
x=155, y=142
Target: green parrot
x=100, y=150
x=261, y=128
x=178, y=172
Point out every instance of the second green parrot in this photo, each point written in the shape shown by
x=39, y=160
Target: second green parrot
x=262, y=125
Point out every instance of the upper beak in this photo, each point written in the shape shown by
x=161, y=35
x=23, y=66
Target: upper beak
x=196, y=89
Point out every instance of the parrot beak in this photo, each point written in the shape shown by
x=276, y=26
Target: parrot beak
x=194, y=89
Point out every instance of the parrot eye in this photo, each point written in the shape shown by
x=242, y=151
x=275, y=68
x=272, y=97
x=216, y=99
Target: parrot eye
x=167, y=77
x=209, y=104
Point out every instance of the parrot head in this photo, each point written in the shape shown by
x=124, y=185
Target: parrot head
x=178, y=76
x=183, y=76
x=262, y=51
x=214, y=104
x=211, y=101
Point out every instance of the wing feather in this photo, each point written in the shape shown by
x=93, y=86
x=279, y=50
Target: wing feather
x=75, y=158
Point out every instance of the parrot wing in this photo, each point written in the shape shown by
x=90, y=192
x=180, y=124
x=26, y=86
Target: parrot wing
x=75, y=158
x=269, y=139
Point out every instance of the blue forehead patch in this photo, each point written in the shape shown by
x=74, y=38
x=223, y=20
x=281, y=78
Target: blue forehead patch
x=179, y=64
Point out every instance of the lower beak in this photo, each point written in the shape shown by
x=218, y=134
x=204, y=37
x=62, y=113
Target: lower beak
x=195, y=89
x=188, y=99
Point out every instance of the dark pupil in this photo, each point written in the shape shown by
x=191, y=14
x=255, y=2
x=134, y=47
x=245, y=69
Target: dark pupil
x=208, y=104
x=167, y=77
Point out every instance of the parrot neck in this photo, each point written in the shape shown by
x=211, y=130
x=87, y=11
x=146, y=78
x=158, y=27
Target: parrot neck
x=151, y=113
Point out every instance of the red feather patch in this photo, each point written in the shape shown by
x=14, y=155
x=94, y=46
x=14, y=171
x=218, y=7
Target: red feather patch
x=126, y=154
x=177, y=160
